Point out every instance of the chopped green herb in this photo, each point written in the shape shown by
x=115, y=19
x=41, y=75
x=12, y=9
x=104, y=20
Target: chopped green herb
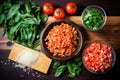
x=93, y=19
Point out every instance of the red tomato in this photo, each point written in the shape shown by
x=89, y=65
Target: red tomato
x=59, y=13
x=48, y=8
x=71, y=7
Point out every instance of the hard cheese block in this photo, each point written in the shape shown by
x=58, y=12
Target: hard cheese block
x=30, y=58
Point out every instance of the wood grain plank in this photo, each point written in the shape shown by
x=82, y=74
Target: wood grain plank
x=109, y=33
x=4, y=41
x=111, y=20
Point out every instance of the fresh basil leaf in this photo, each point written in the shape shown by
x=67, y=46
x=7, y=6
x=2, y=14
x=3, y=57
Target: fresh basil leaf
x=13, y=10
x=71, y=75
x=38, y=17
x=21, y=35
x=44, y=17
x=33, y=5
x=2, y=18
x=7, y=4
x=11, y=22
x=1, y=9
x=71, y=69
x=79, y=63
x=55, y=64
x=77, y=59
x=26, y=15
x=17, y=18
x=27, y=7
x=33, y=35
x=29, y=33
x=37, y=43
x=25, y=34
x=13, y=30
x=60, y=70
x=24, y=44
x=31, y=21
x=78, y=71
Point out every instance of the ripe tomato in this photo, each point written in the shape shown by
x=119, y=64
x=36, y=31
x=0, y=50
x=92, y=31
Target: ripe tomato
x=59, y=13
x=71, y=7
x=48, y=8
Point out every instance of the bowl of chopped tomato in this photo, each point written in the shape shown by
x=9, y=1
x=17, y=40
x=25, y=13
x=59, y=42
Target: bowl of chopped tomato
x=98, y=57
x=61, y=40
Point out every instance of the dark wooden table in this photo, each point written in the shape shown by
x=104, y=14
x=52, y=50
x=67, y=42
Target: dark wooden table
x=110, y=33
x=111, y=6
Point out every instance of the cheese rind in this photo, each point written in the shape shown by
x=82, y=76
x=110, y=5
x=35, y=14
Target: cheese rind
x=31, y=58
x=42, y=63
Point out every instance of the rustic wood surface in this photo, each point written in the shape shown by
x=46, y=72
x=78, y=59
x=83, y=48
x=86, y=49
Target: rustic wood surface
x=110, y=33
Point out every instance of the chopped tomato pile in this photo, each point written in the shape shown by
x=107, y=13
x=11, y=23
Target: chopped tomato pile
x=98, y=57
x=62, y=40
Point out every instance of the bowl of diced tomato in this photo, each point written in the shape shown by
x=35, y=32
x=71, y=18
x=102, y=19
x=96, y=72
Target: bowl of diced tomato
x=98, y=57
x=61, y=40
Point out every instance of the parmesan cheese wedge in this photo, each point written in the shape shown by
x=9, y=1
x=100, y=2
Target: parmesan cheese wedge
x=31, y=58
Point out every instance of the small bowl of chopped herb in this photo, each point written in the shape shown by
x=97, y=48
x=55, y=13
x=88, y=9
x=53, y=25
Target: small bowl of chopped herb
x=93, y=17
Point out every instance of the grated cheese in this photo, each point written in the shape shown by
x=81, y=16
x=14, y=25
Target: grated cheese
x=27, y=58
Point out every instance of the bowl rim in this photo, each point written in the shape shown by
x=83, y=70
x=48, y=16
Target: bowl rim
x=78, y=49
x=113, y=57
x=95, y=7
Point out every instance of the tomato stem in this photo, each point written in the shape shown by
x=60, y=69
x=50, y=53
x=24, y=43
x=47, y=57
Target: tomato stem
x=58, y=11
x=73, y=7
x=49, y=6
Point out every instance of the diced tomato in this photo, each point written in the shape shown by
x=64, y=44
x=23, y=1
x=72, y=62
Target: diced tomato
x=98, y=57
x=62, y=40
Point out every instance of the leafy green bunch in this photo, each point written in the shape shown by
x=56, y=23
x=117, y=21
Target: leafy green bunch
x=73, y=67
x=23, y=22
